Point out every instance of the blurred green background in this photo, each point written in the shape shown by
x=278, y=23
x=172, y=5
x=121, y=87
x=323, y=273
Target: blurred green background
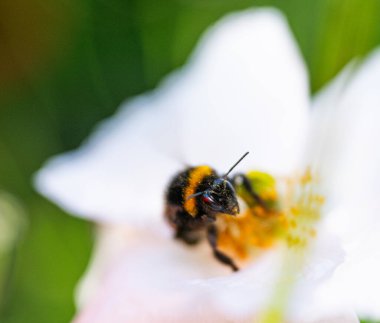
x=66, y=64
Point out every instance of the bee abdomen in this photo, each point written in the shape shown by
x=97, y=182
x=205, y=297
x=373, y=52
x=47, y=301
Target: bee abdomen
x=176, y=188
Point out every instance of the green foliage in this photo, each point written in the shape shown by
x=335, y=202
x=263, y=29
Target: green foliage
x=68, y=64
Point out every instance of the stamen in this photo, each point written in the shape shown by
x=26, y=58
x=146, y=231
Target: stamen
x=302, y=207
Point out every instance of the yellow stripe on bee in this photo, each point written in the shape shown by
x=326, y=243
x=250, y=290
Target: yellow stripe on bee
x=195, y=178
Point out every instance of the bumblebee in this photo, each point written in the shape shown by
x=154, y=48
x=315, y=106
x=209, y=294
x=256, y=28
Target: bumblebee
x=197, y=196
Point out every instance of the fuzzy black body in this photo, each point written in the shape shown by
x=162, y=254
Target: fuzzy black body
x=188, y=228
x=194, y=199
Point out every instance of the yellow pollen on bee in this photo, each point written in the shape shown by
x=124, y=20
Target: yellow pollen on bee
x=195, y=178
x=270, y=195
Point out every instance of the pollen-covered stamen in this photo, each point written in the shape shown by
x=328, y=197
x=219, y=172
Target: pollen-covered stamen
x=250, y=233
x=302, y=208
x=302, y=205
x=291, y=210
x=260, y=226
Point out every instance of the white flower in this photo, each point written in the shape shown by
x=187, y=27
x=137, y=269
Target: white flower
x=245, y=88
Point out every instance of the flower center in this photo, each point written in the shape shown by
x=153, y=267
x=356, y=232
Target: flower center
x=288, y=215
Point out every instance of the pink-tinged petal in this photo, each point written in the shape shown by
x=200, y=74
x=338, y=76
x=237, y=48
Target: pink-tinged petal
x=110, y=243
x=157, y=279
x=151, y=281
x=245, y=88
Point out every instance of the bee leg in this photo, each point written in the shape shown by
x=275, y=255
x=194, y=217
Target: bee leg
x=243, y=180
x=190, y=237
x=212, y=237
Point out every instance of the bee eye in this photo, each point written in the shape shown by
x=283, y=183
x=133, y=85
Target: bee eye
x=207, y=199
x=212, y=199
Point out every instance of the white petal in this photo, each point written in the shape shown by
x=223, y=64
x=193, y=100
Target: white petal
x=358, y=176
x=244, y=89
x=110, y=243
x=151, y=281
x=350, y=108
x=325, y=134
x=237, y=295
x=119, y=174
x=157, y=279
x=356, y=282
x=251, y=94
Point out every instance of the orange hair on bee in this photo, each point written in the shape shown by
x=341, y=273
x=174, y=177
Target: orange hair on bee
x=195, y=178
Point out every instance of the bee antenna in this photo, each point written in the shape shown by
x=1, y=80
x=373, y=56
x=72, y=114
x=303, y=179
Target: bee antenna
x=194, y=195
x=241, y=158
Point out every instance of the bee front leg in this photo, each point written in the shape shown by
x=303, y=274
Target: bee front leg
x=212, y=237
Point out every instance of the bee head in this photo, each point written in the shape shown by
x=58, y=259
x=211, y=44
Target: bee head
x=220, y=197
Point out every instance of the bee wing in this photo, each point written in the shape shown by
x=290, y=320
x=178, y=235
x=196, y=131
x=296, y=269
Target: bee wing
x=245, y=88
